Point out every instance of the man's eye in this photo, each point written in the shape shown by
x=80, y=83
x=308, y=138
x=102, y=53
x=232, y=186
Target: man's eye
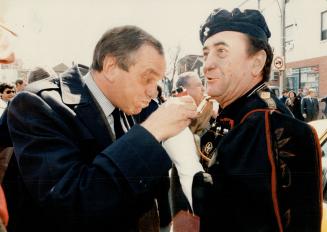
x=222, y=52
x=147, y=79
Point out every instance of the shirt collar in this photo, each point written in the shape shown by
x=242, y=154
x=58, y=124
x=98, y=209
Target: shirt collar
x=106, y=106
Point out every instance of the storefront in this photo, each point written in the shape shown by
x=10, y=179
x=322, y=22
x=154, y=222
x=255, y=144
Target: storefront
x=303, y=78
x=307, y=74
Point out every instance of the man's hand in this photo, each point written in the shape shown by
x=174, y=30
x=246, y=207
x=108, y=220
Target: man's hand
x=171, y=118
x=304, y=115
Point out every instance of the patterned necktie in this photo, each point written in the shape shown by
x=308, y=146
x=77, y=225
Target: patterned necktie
x=117, y=123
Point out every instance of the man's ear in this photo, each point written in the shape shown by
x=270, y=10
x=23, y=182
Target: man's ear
x=109, y=67
x=259, y=61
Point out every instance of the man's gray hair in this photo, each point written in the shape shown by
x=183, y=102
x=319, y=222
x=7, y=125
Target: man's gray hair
x=122, y=43
x=183, y=79
x=39, y=73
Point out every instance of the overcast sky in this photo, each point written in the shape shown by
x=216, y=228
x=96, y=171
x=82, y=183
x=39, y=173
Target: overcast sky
x=51, y=32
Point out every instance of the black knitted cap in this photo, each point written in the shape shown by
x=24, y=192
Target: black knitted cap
x=249, y=22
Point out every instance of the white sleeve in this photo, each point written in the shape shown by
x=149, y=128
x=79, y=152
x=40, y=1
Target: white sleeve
x=182, y=151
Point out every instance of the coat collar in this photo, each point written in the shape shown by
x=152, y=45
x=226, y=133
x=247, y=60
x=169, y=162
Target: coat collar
x=76, y=94
x=71, y=83
x=73, y=87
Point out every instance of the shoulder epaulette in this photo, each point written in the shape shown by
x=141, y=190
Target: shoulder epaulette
x=265, y=95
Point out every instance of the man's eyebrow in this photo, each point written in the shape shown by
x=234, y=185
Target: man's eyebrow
x=217, y=44
x=151, y=71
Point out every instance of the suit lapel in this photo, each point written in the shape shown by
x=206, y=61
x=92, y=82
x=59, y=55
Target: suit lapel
x=76, y=94
x=94, y=119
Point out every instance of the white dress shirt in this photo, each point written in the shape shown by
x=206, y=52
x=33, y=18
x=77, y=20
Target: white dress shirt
x=106, y=106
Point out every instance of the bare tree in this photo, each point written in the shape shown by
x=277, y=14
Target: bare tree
x=173, y=57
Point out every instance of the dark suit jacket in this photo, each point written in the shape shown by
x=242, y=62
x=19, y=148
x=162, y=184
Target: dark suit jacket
x=325, y=101
x=67, y=173
x=311, y=108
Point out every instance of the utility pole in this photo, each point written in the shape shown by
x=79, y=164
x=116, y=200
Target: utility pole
x=281, y=7
x=282, y=41
x=259, y=5
x=283, y=45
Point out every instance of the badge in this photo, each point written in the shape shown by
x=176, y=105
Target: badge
x=264, y=95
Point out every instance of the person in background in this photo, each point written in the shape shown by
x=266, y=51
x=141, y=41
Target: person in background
x=20, y=85
x=193, y=85
x=310, y=106
x=325, y=109
x=305, y=92
x=160, y=98
x=80, y=164
x=39, y=73
x=300, y=93
x=293, y=102
x=284, y=96
x=7, y=92
x=3, y=105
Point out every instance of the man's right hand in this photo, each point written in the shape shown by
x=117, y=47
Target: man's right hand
x=304, y=115
x=171, y=118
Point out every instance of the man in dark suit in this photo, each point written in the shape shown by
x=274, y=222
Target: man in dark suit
x=310, y=106
x=325, y=109
x=284, y=96
x=80, y=164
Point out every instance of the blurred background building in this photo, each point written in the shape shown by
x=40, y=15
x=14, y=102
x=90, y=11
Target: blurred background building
x=299, y=38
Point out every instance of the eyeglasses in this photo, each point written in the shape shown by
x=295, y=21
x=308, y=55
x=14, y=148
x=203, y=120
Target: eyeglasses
x=10, y=91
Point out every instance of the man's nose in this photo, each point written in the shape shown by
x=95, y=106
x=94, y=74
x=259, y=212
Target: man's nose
x=209, y=64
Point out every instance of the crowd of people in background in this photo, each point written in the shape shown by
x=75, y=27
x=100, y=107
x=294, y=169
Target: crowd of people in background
x=304, y=105
x=9, y=90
